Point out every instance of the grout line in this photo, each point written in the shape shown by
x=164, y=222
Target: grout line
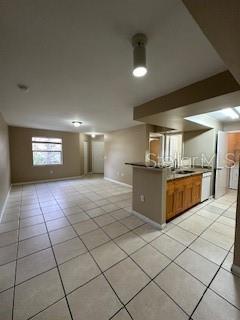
x=15, y=276
x=59, y=274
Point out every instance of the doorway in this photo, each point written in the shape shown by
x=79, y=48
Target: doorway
x=85, y=155
x=97, y=156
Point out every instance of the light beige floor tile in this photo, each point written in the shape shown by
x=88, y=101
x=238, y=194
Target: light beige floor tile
x=214, y=209
x=130, y=242
x=57, y=224
x=209, y=250
x=62, y=235
x=127, y=279
x=218, y=239
x=168, y=246
x=227, y=285
x=94, y=301
x=58, y=311
x=215, y=308
x=68, y=249
x=104, y=220
x=53, y=215
x=31, y=221
x=6, y=303
x=120, y=214
x=201, y=268
x=115, y=229
x=34, y=264
x=110, y=207
x=37, y=294
x=95, y=212
x=153, y=304
x=223, y=229
x=122, y=315
x=227, y=264
x=78, y=217
x=8, y=226
x=207, y=214
x=32, y=245
x=195, y=224
x=150, y=260
x=107, y=255
x=94, y=238
x=72, y=210
x=8, y=254
x=32, y=231
x=181, y=235
x=181, y=287
x=227, y=221
x=132, y=222
x=85, y=226
x=7, y=275
x=147, y=232
x=8, y=238
x=78, y=271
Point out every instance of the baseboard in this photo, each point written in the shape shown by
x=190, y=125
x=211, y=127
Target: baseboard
x=46, y=180
x=235, y=269
x=116, y=181
x=148, y=220
x=5, y=204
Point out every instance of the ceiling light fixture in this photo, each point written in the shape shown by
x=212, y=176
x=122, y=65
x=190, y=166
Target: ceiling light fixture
x=93, y=135
x=76, y=123
x=229, y=112
x=23, y=87
x=139, y=41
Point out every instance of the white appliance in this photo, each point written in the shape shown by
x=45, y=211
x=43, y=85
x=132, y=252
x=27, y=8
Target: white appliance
x=206, y=186
x=233, y=179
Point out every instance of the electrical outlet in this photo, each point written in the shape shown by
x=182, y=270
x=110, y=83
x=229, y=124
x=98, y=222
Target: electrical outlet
x=142, y=198
x=51, y=171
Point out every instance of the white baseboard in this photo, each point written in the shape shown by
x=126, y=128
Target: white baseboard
x=148, y=220
x=5, y=204
x=116, y=181
x=235, y=269
x=46, y=180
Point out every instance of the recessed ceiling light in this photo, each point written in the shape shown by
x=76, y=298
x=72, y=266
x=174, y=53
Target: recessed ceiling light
x=229, y=112
x=76, y=123
x=93, y=135
x=139, y=41
x=23, y=87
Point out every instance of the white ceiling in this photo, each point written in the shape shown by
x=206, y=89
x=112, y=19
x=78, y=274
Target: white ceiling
x=76, y=57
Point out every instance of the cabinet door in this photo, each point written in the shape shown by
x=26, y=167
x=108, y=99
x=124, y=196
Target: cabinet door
x=197, y=186
x=188, y=194
x=179, y=198
x=170, y=201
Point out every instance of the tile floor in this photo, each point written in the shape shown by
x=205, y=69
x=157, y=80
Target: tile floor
x=73, y=250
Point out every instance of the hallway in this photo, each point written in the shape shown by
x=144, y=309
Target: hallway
x=73, y=250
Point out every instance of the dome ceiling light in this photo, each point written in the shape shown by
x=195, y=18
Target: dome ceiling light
x=139, y=41
x=76, y=123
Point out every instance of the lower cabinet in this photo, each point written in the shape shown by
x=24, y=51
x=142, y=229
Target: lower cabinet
x=182, y=194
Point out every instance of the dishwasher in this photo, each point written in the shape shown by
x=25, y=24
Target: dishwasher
x=206, y=186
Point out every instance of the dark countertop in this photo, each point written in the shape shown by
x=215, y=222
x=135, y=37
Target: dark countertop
x=173, y=175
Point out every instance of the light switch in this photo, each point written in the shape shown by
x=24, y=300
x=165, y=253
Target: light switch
x=142, y=198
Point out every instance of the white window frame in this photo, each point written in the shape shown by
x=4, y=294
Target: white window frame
x=44, y=142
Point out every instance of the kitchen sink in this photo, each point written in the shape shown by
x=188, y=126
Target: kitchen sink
x=184, y=171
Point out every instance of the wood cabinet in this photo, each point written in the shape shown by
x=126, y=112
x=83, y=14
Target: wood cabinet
x=182, y=194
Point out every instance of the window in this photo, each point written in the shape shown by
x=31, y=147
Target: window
x=46, y=151
x=173, y=147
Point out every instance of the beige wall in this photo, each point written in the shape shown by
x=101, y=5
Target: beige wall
x=4, y=162
x=22, y=169
x=127, y=145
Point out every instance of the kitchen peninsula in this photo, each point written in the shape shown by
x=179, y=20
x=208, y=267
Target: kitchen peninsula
x=159, y=196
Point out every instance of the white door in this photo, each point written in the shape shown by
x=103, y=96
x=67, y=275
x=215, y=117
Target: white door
x=221, y=181
x=97, y=156
x=85, y=157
